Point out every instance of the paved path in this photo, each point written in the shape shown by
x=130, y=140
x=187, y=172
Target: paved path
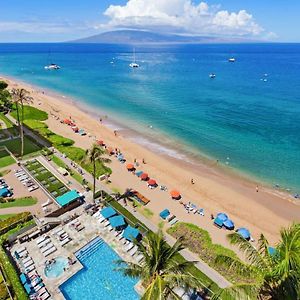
x=207, y=270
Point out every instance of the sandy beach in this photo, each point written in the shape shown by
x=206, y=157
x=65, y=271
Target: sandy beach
x=265, y=211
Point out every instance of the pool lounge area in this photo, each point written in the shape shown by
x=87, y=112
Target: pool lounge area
x=98, y=279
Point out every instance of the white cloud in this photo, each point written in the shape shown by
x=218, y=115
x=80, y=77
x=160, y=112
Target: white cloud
x=180, y=16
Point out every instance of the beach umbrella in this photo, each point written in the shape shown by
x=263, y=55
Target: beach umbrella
x=130, y=167
x=218, y=222
x=139, y=173
x=117, y=221
x=221, y=216
x=244, y=232
x=108, y=212
x=228, y=224
x=131, y=233
x=100, y=143
x=67, y=121
x=144, y=176
x=152, y=182
x=110, y=150
x=175, y=194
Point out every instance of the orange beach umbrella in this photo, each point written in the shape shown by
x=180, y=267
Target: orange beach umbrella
x=144, y=176
x=152, y=182
x=130, y=166
x=175, y=194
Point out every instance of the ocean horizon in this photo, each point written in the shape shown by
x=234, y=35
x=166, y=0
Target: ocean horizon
x=247, y=118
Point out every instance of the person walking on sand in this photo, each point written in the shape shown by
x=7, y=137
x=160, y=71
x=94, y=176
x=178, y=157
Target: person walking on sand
x=144, y=162
x=115, y=132
x=192, y=181
x=257, y=189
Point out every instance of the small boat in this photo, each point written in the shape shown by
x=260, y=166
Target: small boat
x=52, y=67
x=134, y=64
x=212, y=75
x=231, y=59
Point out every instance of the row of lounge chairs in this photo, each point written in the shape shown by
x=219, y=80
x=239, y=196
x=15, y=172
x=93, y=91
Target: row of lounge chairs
x=46, y=246
x=128, y=246
x=30, y=279
x=26, y=180
x=76, y=224
x=62, y=236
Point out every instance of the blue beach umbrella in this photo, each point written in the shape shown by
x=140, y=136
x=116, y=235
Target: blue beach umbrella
x=139, y=173
x=221, y=216
x=228, y=224
x=218, y=222
x=117, y=221
x=131, y=233
x=244, y=232
x=108, y=212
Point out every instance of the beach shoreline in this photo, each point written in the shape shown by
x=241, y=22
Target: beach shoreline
x=211, y=181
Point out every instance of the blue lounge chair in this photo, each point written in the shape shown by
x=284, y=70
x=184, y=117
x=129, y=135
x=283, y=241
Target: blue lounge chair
x=23, y=278
x=164, y=214
x=218, y=222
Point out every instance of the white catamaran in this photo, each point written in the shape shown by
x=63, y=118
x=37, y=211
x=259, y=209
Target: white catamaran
x=134, y=64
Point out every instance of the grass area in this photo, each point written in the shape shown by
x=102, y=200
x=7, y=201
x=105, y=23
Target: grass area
x=4, y=172
x=31, y=113
x=4, y=217
x=19, y=202
x=7, y=267
x=148, y=213
x=46, y=178
x=14, y=146
x=199, y=241
x=5, y=159
x=7, y=122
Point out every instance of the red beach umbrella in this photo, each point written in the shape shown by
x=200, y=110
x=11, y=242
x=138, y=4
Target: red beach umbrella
x=100, y=143
x=144, y=176
x=67, y=121
x=152, y=182
x=130, y=167
x=110, y=150
x=175, y=194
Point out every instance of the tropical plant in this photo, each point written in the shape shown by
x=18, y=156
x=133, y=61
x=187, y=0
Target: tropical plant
x=20, y=97
x=5, y=97
x=128, y=195
x=276, y=271
x=94, y=155
x=160, y=270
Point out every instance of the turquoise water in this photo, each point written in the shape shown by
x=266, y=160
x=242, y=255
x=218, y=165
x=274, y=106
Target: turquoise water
x=98, y=279
x=247, y=123
x=56, y=269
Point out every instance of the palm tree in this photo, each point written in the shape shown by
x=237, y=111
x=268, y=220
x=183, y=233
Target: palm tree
x=21, y=96
x=128, y=195
x=160, y=270
x=276, y=274
x=94, y=155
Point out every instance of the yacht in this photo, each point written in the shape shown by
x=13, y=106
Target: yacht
x=52, y=67
x=231, y=59
x=134, y=64
x=212, y=75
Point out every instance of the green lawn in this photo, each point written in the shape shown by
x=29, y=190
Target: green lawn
x=5, y=159
x=4, y=217
x=14, y=146
x=19, y=202
x=6, y=120
x=31, y=113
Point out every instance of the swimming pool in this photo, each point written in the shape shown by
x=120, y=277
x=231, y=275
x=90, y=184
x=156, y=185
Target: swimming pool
x=56, y=268
x=98, y=279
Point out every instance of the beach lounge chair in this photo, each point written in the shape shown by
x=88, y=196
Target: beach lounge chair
x=133, y=250
x=101, y=219
x=170, y=218
x=25, y=260
x=33, y=188
x=65, y=241
x=41, y=239
x=30, y=268
x=49, y=251
x=44, y=243
x=44, y=296
x=28, y=263
x=38, y=287
x=164, y=214
x=97, y=214
x=218, y=222
x=174, y=221
x=128, y=247
x=20, y=250
x=109, y=228
x=47, y=247
x=139, y=257
x=79, y=227
x=32, y=274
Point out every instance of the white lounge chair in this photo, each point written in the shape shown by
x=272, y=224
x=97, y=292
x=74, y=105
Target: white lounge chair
x=47, y=247
x=20, y=250
x=133, y=250
x=49, y=251
x=30, y=268
x=139, y=257
x=44, y=296
x=41, y=239
x=65, y=241
x=28, y=263
x=175, y=220
x=128, y=247
x=25, y=260
x=44, y=243
x=97, y=214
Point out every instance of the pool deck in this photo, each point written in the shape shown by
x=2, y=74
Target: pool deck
x=79, y=239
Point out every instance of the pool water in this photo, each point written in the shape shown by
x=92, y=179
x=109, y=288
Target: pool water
x=99, y=279
x=56, y=269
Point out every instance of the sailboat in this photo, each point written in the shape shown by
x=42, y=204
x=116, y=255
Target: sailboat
x=51, y=66
x=134, y=64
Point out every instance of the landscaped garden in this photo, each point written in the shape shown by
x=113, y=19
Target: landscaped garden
x=5, y=159
x=54, y=186
x=18, y=202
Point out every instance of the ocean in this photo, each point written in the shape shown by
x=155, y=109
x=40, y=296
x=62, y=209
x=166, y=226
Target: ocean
x=247, y=118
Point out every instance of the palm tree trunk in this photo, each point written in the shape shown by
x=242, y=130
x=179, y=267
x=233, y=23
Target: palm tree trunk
x=22, y=132
x=94, y=179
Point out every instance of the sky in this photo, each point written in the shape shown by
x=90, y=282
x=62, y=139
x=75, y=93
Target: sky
x=65, y=20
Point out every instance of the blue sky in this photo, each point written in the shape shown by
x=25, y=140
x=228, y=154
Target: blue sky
x=61, y=20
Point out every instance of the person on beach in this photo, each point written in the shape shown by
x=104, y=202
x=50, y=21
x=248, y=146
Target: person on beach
x=192, y=181
x=115, y=132
x=100, y=120
x=257, y=189
x=144, y=162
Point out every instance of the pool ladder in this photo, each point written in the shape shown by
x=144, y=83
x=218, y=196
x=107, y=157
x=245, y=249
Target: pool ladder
x=89, y=249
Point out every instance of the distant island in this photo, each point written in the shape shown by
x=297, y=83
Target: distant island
x=149, y=37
